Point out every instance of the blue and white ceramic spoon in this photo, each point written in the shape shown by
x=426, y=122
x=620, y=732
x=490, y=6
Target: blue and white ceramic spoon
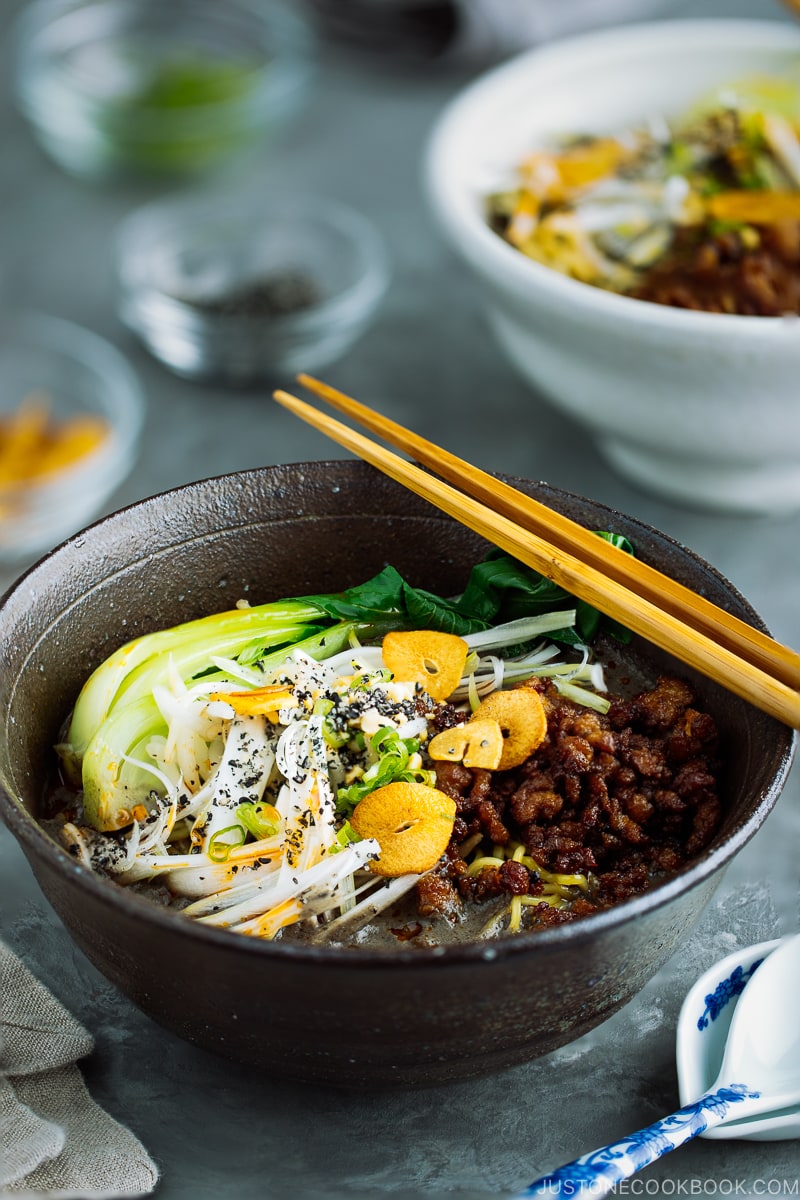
x=700, y=1038
x=760, y=1073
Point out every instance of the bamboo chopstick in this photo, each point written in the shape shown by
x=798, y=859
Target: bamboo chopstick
x=757, y=647
x=588, y=583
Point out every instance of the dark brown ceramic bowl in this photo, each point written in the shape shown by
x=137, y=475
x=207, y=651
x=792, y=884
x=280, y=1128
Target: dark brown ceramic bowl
x=350, y=1017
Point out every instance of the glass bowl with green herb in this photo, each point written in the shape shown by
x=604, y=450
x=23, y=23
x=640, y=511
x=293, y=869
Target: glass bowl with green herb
x=114, y=87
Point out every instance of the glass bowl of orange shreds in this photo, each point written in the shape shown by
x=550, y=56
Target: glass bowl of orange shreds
x=70, y=416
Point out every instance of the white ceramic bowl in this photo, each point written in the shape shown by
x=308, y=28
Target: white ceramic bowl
x=698, y=407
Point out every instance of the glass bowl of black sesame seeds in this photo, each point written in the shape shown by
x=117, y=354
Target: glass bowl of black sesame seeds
x=245, y=289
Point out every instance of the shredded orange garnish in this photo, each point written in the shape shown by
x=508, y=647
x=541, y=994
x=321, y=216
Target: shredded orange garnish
x=586, y=164
x=523, y=218
x=265, y=701
x=35, y=446
x=549, y=176
x=267, y=924
x=754, y=207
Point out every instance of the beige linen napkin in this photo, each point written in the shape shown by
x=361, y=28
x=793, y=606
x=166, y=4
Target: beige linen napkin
x=55, y=1142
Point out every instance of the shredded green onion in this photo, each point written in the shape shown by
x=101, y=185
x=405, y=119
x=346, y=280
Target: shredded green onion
x=219, y=850
x=345, y=837
x=256, y=820
x=392, y=766
x=582, y=695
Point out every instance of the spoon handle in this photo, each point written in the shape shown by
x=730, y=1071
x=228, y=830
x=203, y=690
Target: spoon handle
x=595, y=1173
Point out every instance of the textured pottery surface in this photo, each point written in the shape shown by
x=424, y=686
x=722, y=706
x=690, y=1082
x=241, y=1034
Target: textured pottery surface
x=355, y=1018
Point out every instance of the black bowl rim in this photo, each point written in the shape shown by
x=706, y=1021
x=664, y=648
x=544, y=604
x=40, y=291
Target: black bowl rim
x=31, y=836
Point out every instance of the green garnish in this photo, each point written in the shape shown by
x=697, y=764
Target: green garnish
x=392, y=766
x=346, y=836
x=182, y=113
x=194, y=80
x=225, y=840
x=258, y=819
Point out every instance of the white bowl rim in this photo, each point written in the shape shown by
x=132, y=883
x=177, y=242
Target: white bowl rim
x=491, y=256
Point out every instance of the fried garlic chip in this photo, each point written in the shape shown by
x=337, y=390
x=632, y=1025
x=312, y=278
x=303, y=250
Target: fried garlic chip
x=476, y=744
x=432, y=659
x=522, y=720
x=412, y=824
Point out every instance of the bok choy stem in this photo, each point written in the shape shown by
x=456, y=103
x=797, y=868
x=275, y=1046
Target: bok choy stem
x=193, y=642
x=110, y=788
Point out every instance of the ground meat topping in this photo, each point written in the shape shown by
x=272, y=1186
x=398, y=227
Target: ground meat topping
x=617, y=800
x=721, y=274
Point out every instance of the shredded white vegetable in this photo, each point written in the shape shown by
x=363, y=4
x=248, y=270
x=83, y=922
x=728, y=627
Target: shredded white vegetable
x=218, y=769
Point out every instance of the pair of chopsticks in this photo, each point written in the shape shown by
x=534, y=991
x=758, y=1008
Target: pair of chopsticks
x=697, y=632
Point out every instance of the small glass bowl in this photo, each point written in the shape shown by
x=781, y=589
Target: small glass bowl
x=159, y=87
x=75, y=373
x=242, y=289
